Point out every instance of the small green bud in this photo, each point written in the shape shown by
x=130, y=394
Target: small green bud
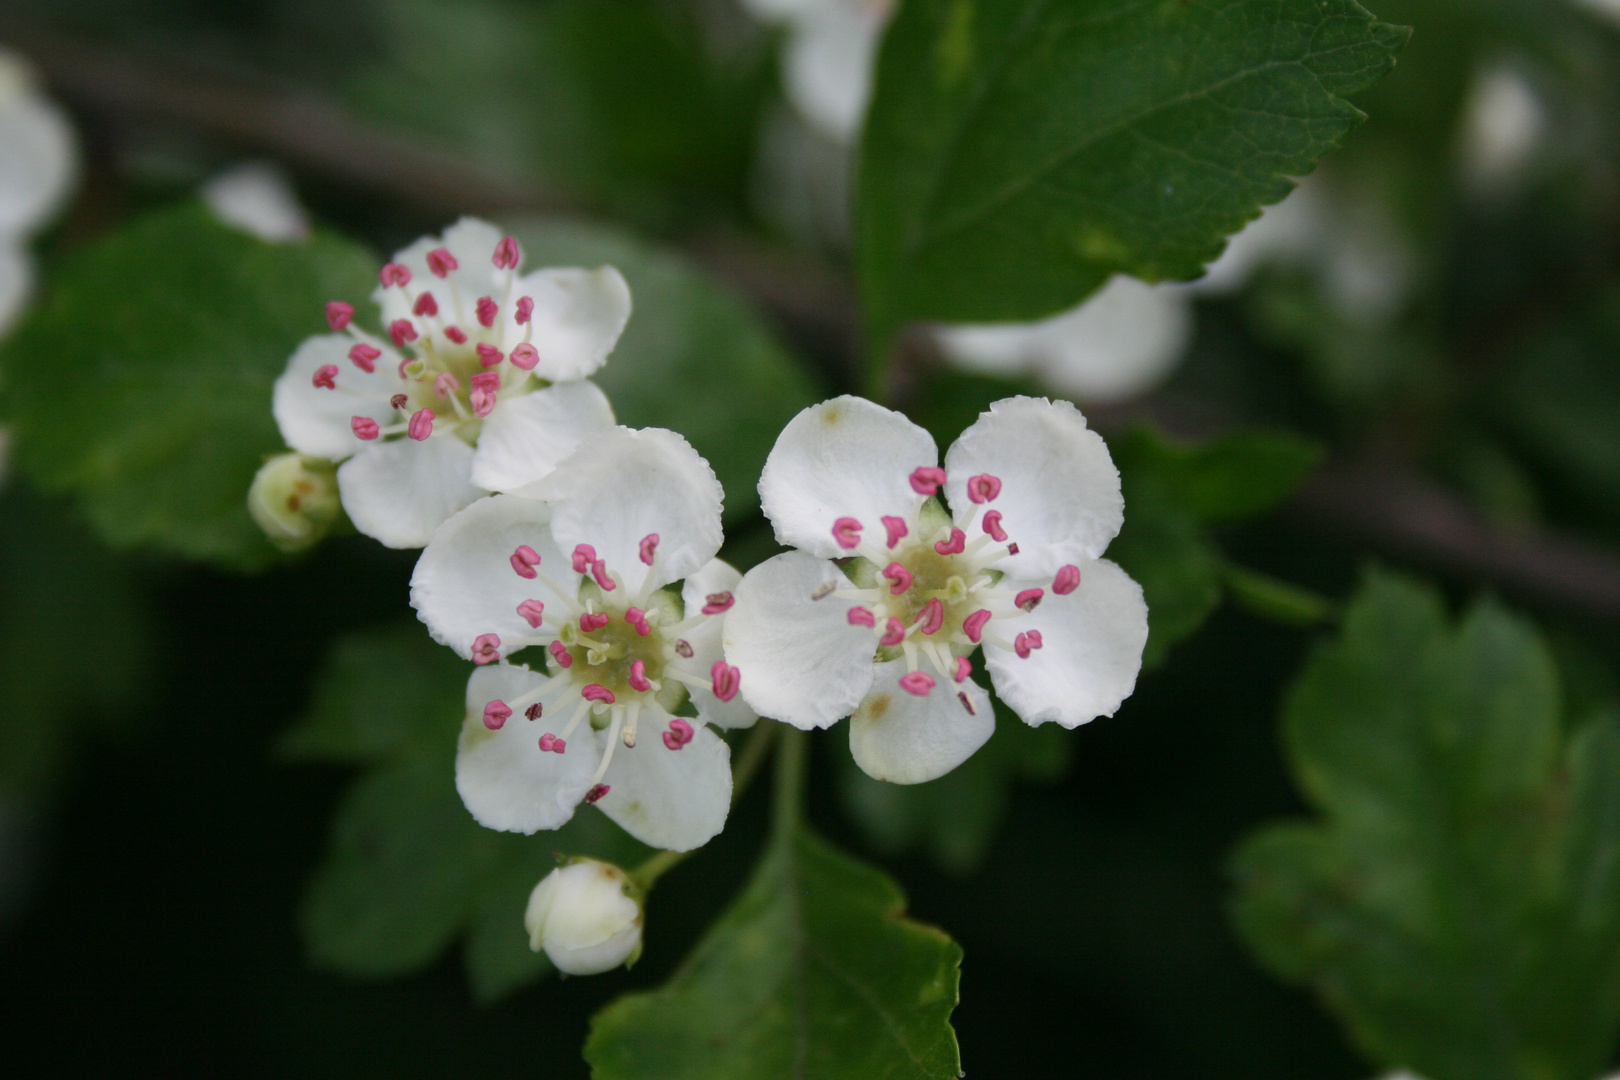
x=295, y=500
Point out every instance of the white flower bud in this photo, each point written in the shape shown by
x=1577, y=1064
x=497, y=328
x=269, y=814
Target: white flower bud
x=295, y=500
x=585, y=916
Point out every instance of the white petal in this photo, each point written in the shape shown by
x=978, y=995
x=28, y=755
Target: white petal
x=506, y=781
x=472, y=242
x=1060, y=496
x=1090, y=654
x=675, y=799
x=624, y=484
x=843, y=458
x=464, y=584
x=399, y=492
x=828, y=67
x=525, y=437
x=801, y=660
x=315, y=421
x=40, y=164
x=991, y=348
x=1118, y=345
x=708, y=646
x=900, y=737
x=578, y=317
x=16, y=282
x=257, y=198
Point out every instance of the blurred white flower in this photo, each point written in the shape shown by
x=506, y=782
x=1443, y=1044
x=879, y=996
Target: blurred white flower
x=1505, y=126
x=585, y=917
x=38, y=169
x=257, y=198
x=830, y=53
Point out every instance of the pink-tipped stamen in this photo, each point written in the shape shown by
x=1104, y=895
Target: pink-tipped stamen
x=483, y=396
x=918, y=682
x=983, y=488
x=847, y=532
x=599, y=572
x=487, y=310
x=496, y=714
x=394, y=274
x=973, y=625
x=399, y=401
x=638, y=677
x=592, y=621
x=992, y=525
x=1029, y=599
x=599, y=693
x=859, y=616
x=967, y=702
x=525, y=309
x=679, y=734
x=898, y=576
x=489, y=355
x=964, y=668
x=548, y=743
x=955, y=545
x=339, y=315
x=927, y=479
x=718, y=602
x=894, y=632
x=364, y=428
x=1067, y=579
x=524, y=560
x=559, y=653
x=638, y=619
x=525, y=356
x=1012, y=549
x=325, y=377
x=533, y=612
x=441, y=262
x=648, y=549
x=445, y=384
x=454, y=333
x=425, y=306
x=1026, y=643
x=932, y=617
x=401, y=332
x=421, y=425
x=365, y=356
x=597, y=792
x=683, y=649
x=506, y=254
x=726, y=680
x=584, y=555
x=896, y=528
x=535, y=711
x=486, y=649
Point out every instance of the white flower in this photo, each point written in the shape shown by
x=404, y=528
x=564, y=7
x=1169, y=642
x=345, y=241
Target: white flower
x=583, y=574
x=479, y=385
x=586, y=918
x=257, y=198
x=885, y=635
x=831, y=51
x=39, y=167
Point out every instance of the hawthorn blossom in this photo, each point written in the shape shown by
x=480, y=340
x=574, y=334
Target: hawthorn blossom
x=477, y=384
x=587, y=917
x=879, y=611
x=608, y=574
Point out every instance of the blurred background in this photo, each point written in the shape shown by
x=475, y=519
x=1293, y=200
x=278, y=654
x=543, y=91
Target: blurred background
x=1434, y=316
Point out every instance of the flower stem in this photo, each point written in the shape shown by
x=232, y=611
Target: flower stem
x=1277, y=600
x=792, y=762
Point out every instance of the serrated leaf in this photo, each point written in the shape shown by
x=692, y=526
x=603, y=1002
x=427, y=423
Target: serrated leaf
x=1457, y=905
x=142, y=384
x=1019, y=152
x=693, y=358
x=813, y=973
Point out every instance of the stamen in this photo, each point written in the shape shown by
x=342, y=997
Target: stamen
x=496, y=714
x=483, y=397
x=599, y=572
x=1012, y=549
x=634, y=714
x=897, y=529
x=726, y=680
x=532, y=610
x=926, y=480
x=525, y=309
x=638, y=619
x=918, y=682
x=894, y=632
x=525, y=356
x=489, y=355
x=421, y=424
x=394, y=274
x=325, y=377
x=535, y=711
x=1067, y=579
x=506, y=254
x=425, y=306
x=339, y=315
x=560, y=653
x=548, y=743
x=717, y=602
x=486, y=649
x=399, y=401
x=992, y=525
x=859, y=616
x=401, y=331
x=932, y=617
x=964, y=668
x=955, y=545
x=825, y=590
x=1027, y=642
x=983, y=488
x=598, y=693
x=454, y=334
x=847, y=531
x=679, y=734
x=1029, y=599
x=638, y=677
x=365, y=356
x=364, y=427
x=487, y=310
x=441, y=262
x=524, y=560
x=596, y=792
x=584, y=555
x=967, y=702
x=446, y=384
x=683, y=649
x=649, y=548
x=899, y=576
x=973, y=625
x=590, y=622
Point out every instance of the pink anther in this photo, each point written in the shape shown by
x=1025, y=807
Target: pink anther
x=506, y=254
x=1029, y=598
x=1026, y=643
x=584, y=555
x=638, y=677
x=364, y=427
x=927, y=479
x=398, y=401
x=454, y=333
x=599, y=572
x=325, y=377
x=899, y=578
x=983, y=488
x=896, y=527
x=932, y=616
x=918, y=682
x=496, y=714
x=973, y=625
x=726, y=680
x=955, y=545
x=394, y=274
x=401, y=332
x=967, y=702
x=597, y=692
x=596, y=792
x=489, y=355
x=638, y=619
x=441, y=262
x=365, y=356
x=446, y=384
x=533, y=611
x=560, y=653
x=525, y=356
x=525, y=309
x=964, y=668
x=486, y=649
x=649, y=548
x=483, y=396
x=421, y=425
x=679, y=734
x=524, y=560
x=847, y=531
x=535, y=711
x=992, y=525
x=717, y=602
x=487, y=309
x=859, y=616
x=894, y=632
x=339, y=315
x=1012, y=549
x=592, y=621
x=425, y=306
x=548, y=743
x=1067, y=579
x=683, y=648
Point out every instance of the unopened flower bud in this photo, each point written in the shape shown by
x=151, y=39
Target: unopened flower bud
x=586, y=918
x=295, y=500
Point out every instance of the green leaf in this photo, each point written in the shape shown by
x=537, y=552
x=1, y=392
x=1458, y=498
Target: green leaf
x=142, y=384
x=693, y=357
x=1228, y=478
x=1457, y=903
x=1019, y=152
x=813, y=973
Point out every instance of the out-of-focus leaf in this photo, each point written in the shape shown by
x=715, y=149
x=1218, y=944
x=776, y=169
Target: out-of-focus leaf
x=693, y=357
x=1457, y=903
x=1228, y=478
x=1018, y=152
x=142, y=384
x=409, y=871
x=814, y=972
